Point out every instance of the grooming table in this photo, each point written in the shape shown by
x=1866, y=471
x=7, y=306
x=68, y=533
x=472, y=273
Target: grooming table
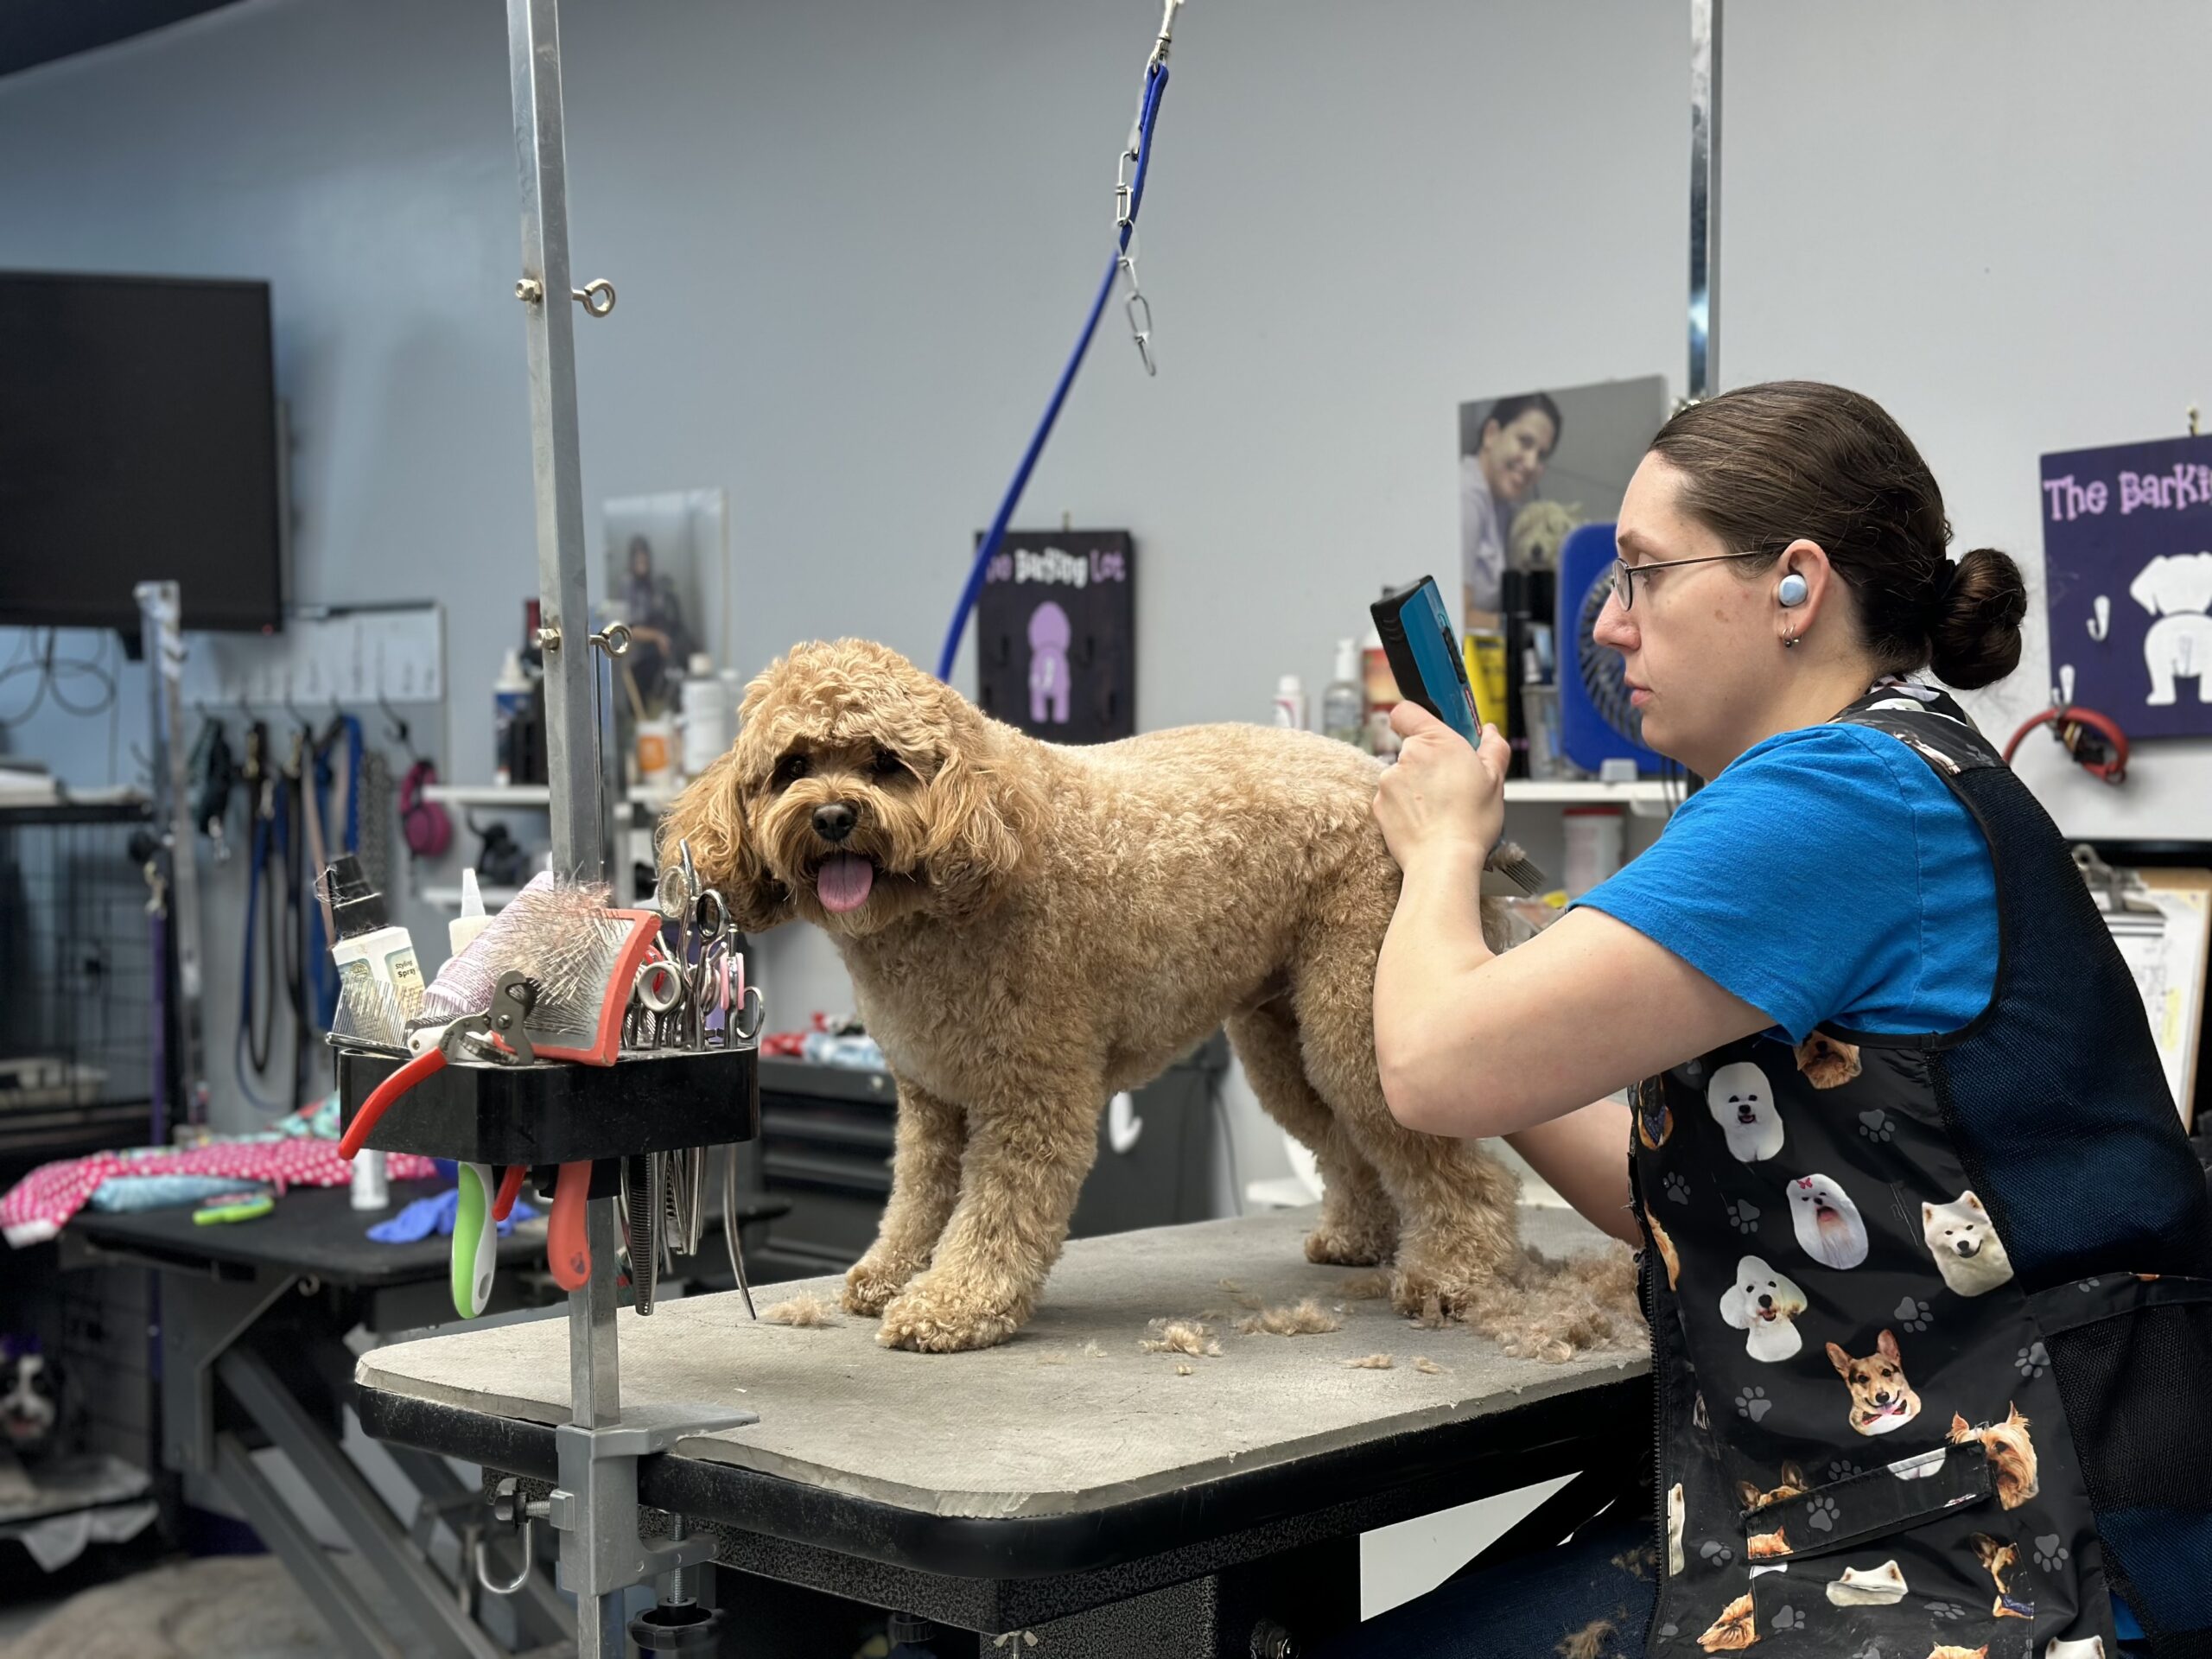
x=1067, y=1485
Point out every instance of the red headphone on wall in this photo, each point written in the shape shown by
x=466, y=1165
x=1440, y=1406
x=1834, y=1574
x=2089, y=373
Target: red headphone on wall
x=424, y=823
x=2093, y=741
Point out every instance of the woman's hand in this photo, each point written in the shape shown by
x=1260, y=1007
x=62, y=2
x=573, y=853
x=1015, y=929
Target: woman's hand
x=1442, y=799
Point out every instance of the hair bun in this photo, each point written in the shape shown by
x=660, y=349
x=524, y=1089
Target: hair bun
x=1974, y=634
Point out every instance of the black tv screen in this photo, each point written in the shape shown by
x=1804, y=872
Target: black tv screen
x=138, y=443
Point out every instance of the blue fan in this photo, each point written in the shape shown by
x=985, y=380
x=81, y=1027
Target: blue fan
x=1595, y=721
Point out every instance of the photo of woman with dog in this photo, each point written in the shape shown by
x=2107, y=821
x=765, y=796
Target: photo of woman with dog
x=1934, y=1242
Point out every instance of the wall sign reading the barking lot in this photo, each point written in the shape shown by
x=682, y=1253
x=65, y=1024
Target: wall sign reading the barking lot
x=1056, y=635
x=2127, y=555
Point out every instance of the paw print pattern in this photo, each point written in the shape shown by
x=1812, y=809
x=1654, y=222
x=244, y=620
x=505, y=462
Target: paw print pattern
x=1786, y=1618
x=1714, y=1551
x=2085, y=1285
x=1753, y=1403
x=1876, y=1127
x=1820, y=1515
x=1843, y=1469
x=1678, y=1187
x=2032, y=1361
x=1670, y=1630
x=1744, y=1216
x=2051, y=1552
x=1946, y=1610
x=1913, y=1315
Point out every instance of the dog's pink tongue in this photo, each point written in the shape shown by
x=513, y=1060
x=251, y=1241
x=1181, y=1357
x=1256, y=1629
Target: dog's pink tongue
x=843, y=882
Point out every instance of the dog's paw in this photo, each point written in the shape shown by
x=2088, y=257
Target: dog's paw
x=1337, y=1244
x=928, y=1318
x=870, y=1286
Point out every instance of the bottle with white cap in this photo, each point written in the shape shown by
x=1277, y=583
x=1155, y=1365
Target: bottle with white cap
x=706, y=715
x=1290, y=702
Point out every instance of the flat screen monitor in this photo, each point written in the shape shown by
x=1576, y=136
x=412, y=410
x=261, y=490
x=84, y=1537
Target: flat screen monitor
x=138, y=442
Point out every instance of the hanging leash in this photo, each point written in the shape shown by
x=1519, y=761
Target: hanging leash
x=1129, y=197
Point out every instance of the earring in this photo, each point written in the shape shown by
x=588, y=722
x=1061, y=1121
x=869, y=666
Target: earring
x=1792, y=591
x=1788, y=641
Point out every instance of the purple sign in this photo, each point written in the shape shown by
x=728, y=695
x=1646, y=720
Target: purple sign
x=2127, y=558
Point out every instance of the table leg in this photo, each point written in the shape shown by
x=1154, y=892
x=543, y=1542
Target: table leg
x=372, y=1527
x=329, y=1590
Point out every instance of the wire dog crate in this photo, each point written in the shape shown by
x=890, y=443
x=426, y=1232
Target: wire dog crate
x=80, y=1037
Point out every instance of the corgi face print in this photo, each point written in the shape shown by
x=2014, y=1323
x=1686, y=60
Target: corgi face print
x=1872, y=1586
x=1828, y=1226
x=1765, y=1305
x=1668, y=1256
x=1881, y=1400
x=1793, y=1484
x=1827, y=1062
x=1765, y=1546
x=1654, y=1118
x=1968, y=1252
x=1742, y=1103
x=1733, y=1631
x=2011, y=1454
x=1677, y=1518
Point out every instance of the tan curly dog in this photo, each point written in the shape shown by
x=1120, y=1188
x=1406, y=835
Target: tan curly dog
x=1031, y=929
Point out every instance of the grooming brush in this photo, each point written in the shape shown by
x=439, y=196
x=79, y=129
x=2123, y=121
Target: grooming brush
x=1425, y=660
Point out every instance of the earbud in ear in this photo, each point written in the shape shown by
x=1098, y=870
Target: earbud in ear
x=1792, y=591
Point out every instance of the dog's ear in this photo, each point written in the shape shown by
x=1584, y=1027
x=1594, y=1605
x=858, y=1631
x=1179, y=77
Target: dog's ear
x=1972, y=1202
x=2013, y=1418
x=1841, y=1360
x=1887, y=1342
x=1748, y=1494
x=1794, y=1475
x=985, y=809
x=710, y=815
x=1962, y=1430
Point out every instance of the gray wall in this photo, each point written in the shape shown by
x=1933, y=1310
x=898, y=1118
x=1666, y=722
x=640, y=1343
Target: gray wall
x=852, y=240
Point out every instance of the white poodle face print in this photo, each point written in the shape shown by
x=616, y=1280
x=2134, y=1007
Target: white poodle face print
x=1764, y=1305
x=1742, y=1103
x=1968, y=1253
x=1827, y=1222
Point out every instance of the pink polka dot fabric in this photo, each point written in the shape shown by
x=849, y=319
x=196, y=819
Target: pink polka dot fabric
x=38, y=1207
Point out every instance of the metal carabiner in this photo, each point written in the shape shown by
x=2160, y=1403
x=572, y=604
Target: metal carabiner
x=1137, y=305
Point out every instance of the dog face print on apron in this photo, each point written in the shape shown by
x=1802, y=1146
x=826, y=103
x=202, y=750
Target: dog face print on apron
x=1880, y=1299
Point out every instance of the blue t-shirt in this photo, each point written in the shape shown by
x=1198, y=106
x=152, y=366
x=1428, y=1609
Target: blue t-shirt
x=1826, y=876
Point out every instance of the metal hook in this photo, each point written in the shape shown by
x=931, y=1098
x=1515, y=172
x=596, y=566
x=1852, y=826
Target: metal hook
x=597, y=298
x=1136, y=305
x=613, y=639
x=522, y=1573
x=395, y=727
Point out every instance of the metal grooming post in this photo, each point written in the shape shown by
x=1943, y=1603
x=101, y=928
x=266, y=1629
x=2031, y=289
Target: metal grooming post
x=571, y=729
x=1705, y=198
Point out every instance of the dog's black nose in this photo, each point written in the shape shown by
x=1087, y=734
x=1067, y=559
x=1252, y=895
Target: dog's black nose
x=833, y=821
x=1766, y=1300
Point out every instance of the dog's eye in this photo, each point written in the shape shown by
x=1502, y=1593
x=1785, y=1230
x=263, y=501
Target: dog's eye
x=790, y=770
x=886, y=765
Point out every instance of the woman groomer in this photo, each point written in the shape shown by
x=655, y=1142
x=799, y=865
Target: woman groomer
x=1931, y=1293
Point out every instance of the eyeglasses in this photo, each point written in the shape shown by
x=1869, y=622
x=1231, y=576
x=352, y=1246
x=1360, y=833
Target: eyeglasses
x=1624, y=573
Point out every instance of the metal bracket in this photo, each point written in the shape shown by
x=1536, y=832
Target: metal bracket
x=595, y=1508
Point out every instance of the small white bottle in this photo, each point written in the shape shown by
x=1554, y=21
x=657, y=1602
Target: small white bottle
x=705, y=716
x=461, y=932
x=510, y=702
x=1342, y=706
x=1290, y=702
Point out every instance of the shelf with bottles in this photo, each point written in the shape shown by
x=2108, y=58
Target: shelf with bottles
x=522, y=796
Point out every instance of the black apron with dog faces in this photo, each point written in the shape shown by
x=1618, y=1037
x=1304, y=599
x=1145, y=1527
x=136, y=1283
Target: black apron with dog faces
x=1868, y=1305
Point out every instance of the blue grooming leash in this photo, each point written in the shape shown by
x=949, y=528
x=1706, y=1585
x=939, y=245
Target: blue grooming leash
x=1155, y=83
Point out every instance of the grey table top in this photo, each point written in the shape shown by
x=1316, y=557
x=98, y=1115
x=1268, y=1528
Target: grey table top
x=1071, y=1415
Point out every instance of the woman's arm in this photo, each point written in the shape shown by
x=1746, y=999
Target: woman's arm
x=1470, y=1043
x=1583, y=1157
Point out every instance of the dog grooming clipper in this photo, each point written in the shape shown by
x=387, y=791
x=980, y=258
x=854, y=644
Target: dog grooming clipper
x=1425, y=660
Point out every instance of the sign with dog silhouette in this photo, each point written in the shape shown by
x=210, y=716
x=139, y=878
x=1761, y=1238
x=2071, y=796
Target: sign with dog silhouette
x=2127, y=555
x=1056, y=635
